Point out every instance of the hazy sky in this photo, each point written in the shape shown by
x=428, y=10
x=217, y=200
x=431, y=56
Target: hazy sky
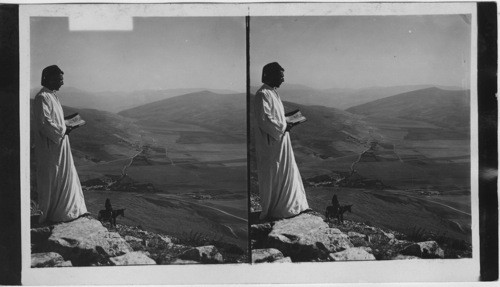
x=160, y=53
x=363, y=51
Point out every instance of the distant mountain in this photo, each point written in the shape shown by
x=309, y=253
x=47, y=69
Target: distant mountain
x=341, y=98
x=220, y=113
x=118, y=101
x=445, y=108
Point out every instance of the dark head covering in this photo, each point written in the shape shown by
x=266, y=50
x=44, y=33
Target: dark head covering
x=50, y=72
x=270, y=69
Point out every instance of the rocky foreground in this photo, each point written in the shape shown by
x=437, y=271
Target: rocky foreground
x=86, y=242
x=308, y=238
x=304, y=238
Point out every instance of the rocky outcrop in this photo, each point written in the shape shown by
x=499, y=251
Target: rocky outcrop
x=85, y=241
x=308, y=237
x=304, y=238
x=81, y=242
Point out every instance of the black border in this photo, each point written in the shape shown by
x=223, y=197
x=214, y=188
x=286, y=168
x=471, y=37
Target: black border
x=487, y=53
x=10, y=195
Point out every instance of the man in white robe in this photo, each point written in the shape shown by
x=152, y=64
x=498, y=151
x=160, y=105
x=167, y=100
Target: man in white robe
x=280, y=184
x=60, y=194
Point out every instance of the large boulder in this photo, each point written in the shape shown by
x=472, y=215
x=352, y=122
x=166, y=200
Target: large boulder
x=48, y=259
x=426, y=249
x=132, y=258
x=352, y=254
x=266, y=255
x=85, y=241
x=205, y=254
x=306, y=237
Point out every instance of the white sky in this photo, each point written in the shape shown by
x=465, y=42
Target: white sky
x=363, y=51
x=209, y=52
x=160, y=53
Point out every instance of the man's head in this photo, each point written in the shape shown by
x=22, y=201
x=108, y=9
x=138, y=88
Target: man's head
x=52, y=78
x=272, y=75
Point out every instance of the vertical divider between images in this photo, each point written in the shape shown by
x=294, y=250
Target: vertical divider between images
x=247, y=46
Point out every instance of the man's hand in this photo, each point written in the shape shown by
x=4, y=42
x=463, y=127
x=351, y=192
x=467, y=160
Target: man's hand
x=68, y=130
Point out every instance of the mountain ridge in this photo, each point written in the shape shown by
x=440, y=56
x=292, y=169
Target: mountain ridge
x=444, y=108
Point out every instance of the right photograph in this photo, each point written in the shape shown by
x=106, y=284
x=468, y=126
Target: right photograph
x=360, y=138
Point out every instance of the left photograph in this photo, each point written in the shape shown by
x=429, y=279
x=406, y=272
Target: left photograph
x=138, y=142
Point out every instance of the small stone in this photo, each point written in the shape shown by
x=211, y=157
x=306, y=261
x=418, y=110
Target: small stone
x=426, y=249
x=283, y=260
x=132, y=258
x=351, y=254
x=205, y=254
x=46, y=259
x=393, y=241
x=404, y=257
x=181, y=261
x=353, y=234
x=64, y=264
x=166, y=239
x=389, y=236
x=129, y=238
x=266, y=255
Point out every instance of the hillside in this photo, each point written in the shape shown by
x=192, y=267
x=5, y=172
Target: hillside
x=105, y=136
x=117, y=101
x=223, y=116
x=327, y=133
x=444, y=108
x=340, y=98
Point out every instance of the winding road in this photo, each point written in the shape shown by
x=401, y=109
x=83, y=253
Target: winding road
x=207, y=206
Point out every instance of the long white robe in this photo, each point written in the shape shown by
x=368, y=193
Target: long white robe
x=280, y=185
x=60, y=194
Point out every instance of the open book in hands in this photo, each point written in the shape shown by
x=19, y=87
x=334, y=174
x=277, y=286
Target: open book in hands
x=73, y=121
x=295, y=117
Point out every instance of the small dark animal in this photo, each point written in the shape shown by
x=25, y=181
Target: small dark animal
x=332, y=212
x=105, y=215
